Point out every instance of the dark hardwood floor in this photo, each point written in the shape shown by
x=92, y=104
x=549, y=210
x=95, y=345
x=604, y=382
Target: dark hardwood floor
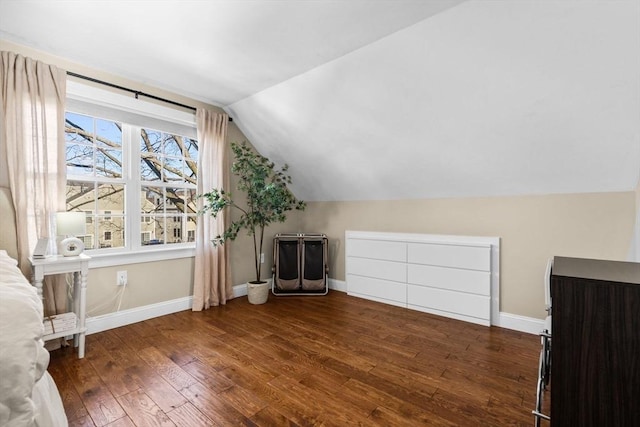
x=333, y=360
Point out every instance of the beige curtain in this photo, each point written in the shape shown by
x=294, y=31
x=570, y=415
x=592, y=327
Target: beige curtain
x=32, y=115
x=212, y=281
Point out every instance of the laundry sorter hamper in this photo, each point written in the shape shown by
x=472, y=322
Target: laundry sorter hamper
x=300, y=264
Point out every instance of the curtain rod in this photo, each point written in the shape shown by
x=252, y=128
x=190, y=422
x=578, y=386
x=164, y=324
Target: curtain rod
x=137, y=93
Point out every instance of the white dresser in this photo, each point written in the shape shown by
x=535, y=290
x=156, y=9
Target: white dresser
x=452, y=276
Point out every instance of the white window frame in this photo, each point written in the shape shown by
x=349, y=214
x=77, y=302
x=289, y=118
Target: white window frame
x=134, y=252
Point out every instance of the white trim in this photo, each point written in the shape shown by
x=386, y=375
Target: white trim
x=481, y=241
x=240, y=290
x=520, y=323
x=93, y=95
x=338, y=285
x=122, y=258
x=514, y=322
x=126, y=317
x=138, y=314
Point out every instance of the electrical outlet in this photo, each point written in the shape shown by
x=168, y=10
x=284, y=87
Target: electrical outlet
x=121, y=278
x=262, y=258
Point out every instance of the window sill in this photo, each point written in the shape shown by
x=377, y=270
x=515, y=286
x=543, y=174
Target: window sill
x=123, y=258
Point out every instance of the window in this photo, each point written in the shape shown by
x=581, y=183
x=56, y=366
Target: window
x=87, y=239
x=134, y=176
x=95, y=181
x=168, y=173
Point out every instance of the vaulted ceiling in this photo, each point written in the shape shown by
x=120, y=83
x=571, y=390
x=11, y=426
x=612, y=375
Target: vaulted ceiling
x=385, y=99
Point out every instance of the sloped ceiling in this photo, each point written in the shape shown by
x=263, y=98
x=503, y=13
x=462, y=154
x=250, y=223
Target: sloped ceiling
x=386, y=99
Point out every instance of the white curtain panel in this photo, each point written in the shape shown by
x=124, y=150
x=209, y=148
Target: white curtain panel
x=212, y=281
x=32, y=114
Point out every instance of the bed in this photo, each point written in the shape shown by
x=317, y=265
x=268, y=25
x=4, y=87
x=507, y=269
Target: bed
x=28, y=394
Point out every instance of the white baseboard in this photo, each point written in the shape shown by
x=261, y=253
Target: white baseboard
x=506, y=320
x=338, y=285
x=138, y=314
x=240, y=290
x=520, y=323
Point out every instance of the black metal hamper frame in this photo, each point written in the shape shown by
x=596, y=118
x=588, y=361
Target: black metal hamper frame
x=300, y=264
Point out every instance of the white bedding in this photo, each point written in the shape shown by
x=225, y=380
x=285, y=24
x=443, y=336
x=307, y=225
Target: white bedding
x=28, y=396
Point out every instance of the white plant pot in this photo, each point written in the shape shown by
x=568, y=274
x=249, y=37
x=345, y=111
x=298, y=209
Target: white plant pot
x=258, y=293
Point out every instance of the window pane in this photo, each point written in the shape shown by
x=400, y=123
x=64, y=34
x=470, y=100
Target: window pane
x=109, y=163
x=108, y=134
x=175, y=230
x=173, y=145
x=191, y=146
x=150, y=167
x=153, y=201
x=191, y=172
x=159, y=231
x=191, y=228
x=173, y=169
x=111, y=198
x=150, y=141
x=78, y=128
x=79, y=159
x=145, y=237
x=152, y=232
x=87, y=239
x=191, y=196
x=80, y=195
x=110, y=232
x=191, y=160
x=175, y=201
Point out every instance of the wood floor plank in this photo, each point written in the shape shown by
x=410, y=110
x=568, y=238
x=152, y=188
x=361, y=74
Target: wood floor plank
x=207, y=375
x=167, y=368
x=333, y=360
x=220, y=412
x=122, y=422
x=270, y=417
x=143, y=411
x=84, y=421
x=110, y=372
x=97, y=399
x=188, y=415
x=156, y=387
x=73, y=405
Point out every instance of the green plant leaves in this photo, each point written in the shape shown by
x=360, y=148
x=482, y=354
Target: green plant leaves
x=268, y=199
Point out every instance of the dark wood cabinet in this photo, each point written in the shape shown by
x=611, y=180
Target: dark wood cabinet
x=595, y=377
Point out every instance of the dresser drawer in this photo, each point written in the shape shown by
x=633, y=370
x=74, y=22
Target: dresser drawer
x=456, y=256
x=452, y=279
x=377, y=269
x=377, y=249
x=379, y=289
x=458, y=304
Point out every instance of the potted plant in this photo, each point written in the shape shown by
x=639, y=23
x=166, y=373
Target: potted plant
x=268, y=199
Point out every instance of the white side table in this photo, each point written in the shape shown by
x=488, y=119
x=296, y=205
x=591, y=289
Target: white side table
x=79, y=266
